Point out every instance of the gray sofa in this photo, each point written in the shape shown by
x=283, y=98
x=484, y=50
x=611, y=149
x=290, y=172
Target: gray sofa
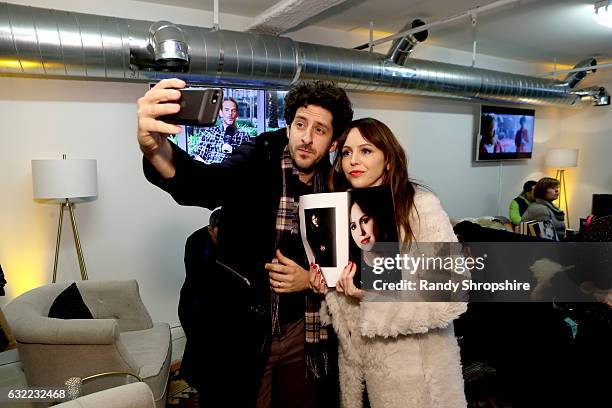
x=121, y=337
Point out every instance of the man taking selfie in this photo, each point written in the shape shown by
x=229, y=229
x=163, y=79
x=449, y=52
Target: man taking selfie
x=266, y=342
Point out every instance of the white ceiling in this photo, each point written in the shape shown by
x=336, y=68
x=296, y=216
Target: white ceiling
x=531, y=30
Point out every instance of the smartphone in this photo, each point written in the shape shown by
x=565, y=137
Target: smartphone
x=199, y=107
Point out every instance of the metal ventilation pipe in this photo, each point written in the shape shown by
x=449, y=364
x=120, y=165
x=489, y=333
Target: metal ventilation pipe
x=573, y=78
x=402, y=47
x=597, y=95
x=38, y=42
x=168, y=44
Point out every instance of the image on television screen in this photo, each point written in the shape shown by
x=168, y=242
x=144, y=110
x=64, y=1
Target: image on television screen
x=505, y=133
x=244, y=114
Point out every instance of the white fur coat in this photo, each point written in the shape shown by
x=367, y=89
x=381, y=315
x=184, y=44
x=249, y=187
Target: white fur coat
x=406, y=352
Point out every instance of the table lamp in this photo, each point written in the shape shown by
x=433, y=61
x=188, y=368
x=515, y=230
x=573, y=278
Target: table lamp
x=66, y=181
x=561, y=159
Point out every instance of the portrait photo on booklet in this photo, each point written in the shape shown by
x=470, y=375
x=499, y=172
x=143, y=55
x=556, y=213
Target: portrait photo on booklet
x=349, y=226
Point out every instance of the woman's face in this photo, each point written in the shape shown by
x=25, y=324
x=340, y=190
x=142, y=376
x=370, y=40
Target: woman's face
x=314, y=220
x=363, y=228
x=363, y=163
x=552, y=193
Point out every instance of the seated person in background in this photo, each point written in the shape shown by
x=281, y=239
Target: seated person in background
x=542, y=209
x=488, y=139
x=217, y=143
x=520, y=204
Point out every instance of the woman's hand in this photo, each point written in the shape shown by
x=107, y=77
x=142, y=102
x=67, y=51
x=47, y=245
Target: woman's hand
x=287, y=276
x=317, y=281
x=346, y=284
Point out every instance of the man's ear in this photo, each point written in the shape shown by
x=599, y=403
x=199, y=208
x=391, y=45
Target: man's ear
x=333, y=146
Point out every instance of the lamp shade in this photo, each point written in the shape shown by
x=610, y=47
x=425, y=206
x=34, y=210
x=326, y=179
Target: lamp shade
x=562, y=158
x=65, y=178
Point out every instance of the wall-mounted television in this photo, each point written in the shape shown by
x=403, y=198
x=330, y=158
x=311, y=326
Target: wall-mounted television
x=504, y=133
x=254, y=112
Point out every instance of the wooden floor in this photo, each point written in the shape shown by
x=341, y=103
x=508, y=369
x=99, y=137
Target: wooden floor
x=180, y=394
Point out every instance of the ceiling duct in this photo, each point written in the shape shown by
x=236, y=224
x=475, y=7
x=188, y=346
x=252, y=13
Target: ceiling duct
x=168, y=44
x=573, y=78
x=401, y=48
x=597, y=95
x=37, y=42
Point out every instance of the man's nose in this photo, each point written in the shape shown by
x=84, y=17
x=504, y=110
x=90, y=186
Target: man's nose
x=307, y=136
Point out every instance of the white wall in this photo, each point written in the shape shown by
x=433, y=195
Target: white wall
x=136, y=231
x=589, y=130
x=437, y=135
x=131, y=231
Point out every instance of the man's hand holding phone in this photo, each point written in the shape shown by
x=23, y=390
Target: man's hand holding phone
x=152, y=132
x=168, y=104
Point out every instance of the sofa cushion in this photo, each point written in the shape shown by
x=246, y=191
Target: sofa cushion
x=150, y=349
x=69, y=305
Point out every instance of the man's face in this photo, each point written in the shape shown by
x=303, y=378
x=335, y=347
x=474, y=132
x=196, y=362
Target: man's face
x=229, y=113
x=529, y=195
x=213, y=233
x=310, y=136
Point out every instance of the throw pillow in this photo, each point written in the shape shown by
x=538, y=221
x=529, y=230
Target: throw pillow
x=69, y=305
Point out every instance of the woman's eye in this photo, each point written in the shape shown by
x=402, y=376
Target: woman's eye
x=366, y=151
x=353, y=226
x=365, y=220
x=346, y=153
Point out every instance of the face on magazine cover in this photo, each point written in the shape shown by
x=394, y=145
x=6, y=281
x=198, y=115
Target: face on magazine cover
x=314, y=220
x=363, y=228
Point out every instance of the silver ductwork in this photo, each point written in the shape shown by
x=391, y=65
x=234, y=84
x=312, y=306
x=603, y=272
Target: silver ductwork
x=38, y=42
x=596, y=95
x=401, y=48
x=572, y=79
x=168, y=44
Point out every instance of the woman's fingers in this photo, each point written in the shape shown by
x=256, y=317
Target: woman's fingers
x=342, y=283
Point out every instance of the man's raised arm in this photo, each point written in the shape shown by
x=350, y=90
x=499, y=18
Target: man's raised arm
x=153, y=133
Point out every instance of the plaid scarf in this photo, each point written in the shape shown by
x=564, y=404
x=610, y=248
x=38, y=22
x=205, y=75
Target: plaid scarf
x=287, y=224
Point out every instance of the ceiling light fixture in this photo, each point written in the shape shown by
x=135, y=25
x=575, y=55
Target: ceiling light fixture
x=603, y=13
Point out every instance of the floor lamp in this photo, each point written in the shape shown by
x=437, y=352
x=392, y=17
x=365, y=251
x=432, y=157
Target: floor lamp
x=561, y=159
x=66, y=181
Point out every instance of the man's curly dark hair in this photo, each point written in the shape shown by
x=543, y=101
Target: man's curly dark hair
x=324, y=94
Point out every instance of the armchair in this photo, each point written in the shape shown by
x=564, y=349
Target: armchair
x=120, y=337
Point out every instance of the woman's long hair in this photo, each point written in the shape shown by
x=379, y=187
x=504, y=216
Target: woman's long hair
x=379, y=134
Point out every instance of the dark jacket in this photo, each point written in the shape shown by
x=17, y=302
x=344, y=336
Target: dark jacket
x=200, y=265
x=237, y=317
